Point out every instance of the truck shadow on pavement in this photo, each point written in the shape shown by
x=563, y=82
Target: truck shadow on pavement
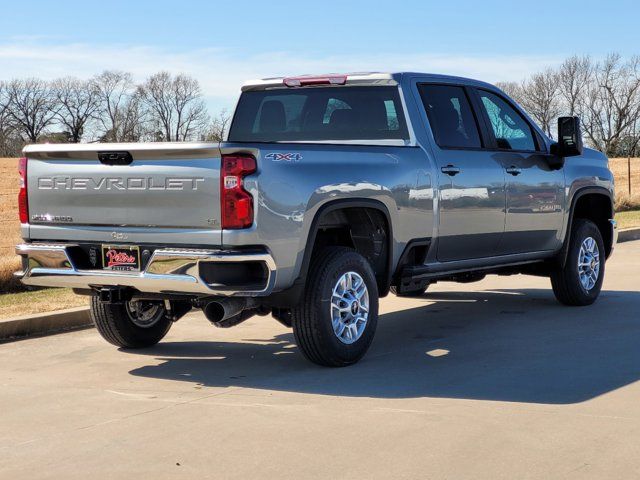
x=510, y=345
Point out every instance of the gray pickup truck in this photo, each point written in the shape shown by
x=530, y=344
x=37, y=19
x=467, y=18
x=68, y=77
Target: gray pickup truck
x=329, y=192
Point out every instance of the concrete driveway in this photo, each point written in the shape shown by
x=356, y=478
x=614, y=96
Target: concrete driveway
x=491, y=380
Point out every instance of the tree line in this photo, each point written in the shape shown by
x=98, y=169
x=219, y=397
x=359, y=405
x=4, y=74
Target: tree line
x=109, y=107
x=605, y=95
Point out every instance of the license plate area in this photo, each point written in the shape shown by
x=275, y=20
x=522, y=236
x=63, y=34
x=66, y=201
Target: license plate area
x=122, y=258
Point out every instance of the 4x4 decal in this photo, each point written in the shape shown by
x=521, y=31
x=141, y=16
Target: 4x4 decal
x=284, y=157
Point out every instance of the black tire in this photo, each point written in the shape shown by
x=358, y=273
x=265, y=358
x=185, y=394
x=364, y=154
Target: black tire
x=565, y=281
x=114, y=322
x=311, y=320
x=418, y=292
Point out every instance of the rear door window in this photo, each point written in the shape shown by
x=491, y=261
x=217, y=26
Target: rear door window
x=319, y=114
x=452, y=121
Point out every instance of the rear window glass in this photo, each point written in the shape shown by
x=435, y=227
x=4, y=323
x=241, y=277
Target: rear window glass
x=319, y=114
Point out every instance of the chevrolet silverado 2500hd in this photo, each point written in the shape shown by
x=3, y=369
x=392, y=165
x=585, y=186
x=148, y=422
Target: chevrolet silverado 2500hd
x=328, y=193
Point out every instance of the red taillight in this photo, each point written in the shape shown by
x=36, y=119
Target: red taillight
x=236, y=202
x=315, y=80
x=23, y=203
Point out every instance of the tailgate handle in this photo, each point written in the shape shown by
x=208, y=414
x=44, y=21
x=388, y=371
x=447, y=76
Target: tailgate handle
x=115, y=158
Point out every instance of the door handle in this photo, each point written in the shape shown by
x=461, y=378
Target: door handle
x=450, y=170
x=513, y=170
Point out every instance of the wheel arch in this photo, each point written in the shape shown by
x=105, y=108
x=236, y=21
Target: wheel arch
x=600, y=199
x=332, y=206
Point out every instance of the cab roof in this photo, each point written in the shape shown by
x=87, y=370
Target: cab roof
x=354, y=78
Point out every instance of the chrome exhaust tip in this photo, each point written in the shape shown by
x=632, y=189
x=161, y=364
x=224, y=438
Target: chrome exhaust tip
x=229, y=311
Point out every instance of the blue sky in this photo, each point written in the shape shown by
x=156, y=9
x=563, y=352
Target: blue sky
x=224, y=43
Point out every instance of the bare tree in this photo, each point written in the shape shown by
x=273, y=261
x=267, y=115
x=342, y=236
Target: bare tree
x=175, y=104
x=77, y=101
x=7, y=139
x=4, y=106
x=539, y=97
x=218, y=126
x=133, y=123
x=606, y=95
x=4, y=99
x=574, y=76
x=115, y=91
x=513, y=89
x=32, y=107
x=612, y=103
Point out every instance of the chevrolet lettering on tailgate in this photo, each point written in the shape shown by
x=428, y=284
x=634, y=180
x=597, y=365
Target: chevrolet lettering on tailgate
x=118, y=183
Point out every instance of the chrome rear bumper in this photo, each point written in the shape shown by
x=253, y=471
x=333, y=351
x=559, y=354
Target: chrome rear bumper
x=170, y=270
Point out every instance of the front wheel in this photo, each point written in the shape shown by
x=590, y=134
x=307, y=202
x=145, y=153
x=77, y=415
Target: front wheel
x=579, y=282
x=336, y=320
x=134, y=324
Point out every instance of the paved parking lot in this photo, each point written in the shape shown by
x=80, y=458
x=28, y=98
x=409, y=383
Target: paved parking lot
x=486, y=380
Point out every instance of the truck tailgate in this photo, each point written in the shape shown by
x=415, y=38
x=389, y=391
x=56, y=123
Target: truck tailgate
x=154, y=186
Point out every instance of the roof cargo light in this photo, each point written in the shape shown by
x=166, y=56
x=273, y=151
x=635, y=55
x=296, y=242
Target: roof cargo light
x=315, y=80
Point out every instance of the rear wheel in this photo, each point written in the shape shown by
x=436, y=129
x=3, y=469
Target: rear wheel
x=580, y=280
x=134, y=324
x=336, y=320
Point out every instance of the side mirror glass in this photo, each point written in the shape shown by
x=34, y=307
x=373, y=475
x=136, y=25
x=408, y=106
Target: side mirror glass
x=569, y=138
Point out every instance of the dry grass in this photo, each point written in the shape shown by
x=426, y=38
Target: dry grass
x=8, y=282
x=619, y=167
x=625, y=202
x=46, y=300
x=9, y=223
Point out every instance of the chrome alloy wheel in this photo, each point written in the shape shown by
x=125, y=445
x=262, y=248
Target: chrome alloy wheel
x=588, y=263
x=349, y=307
x=144, y=314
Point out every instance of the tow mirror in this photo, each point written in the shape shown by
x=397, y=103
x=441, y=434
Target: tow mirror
x=569, y=138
